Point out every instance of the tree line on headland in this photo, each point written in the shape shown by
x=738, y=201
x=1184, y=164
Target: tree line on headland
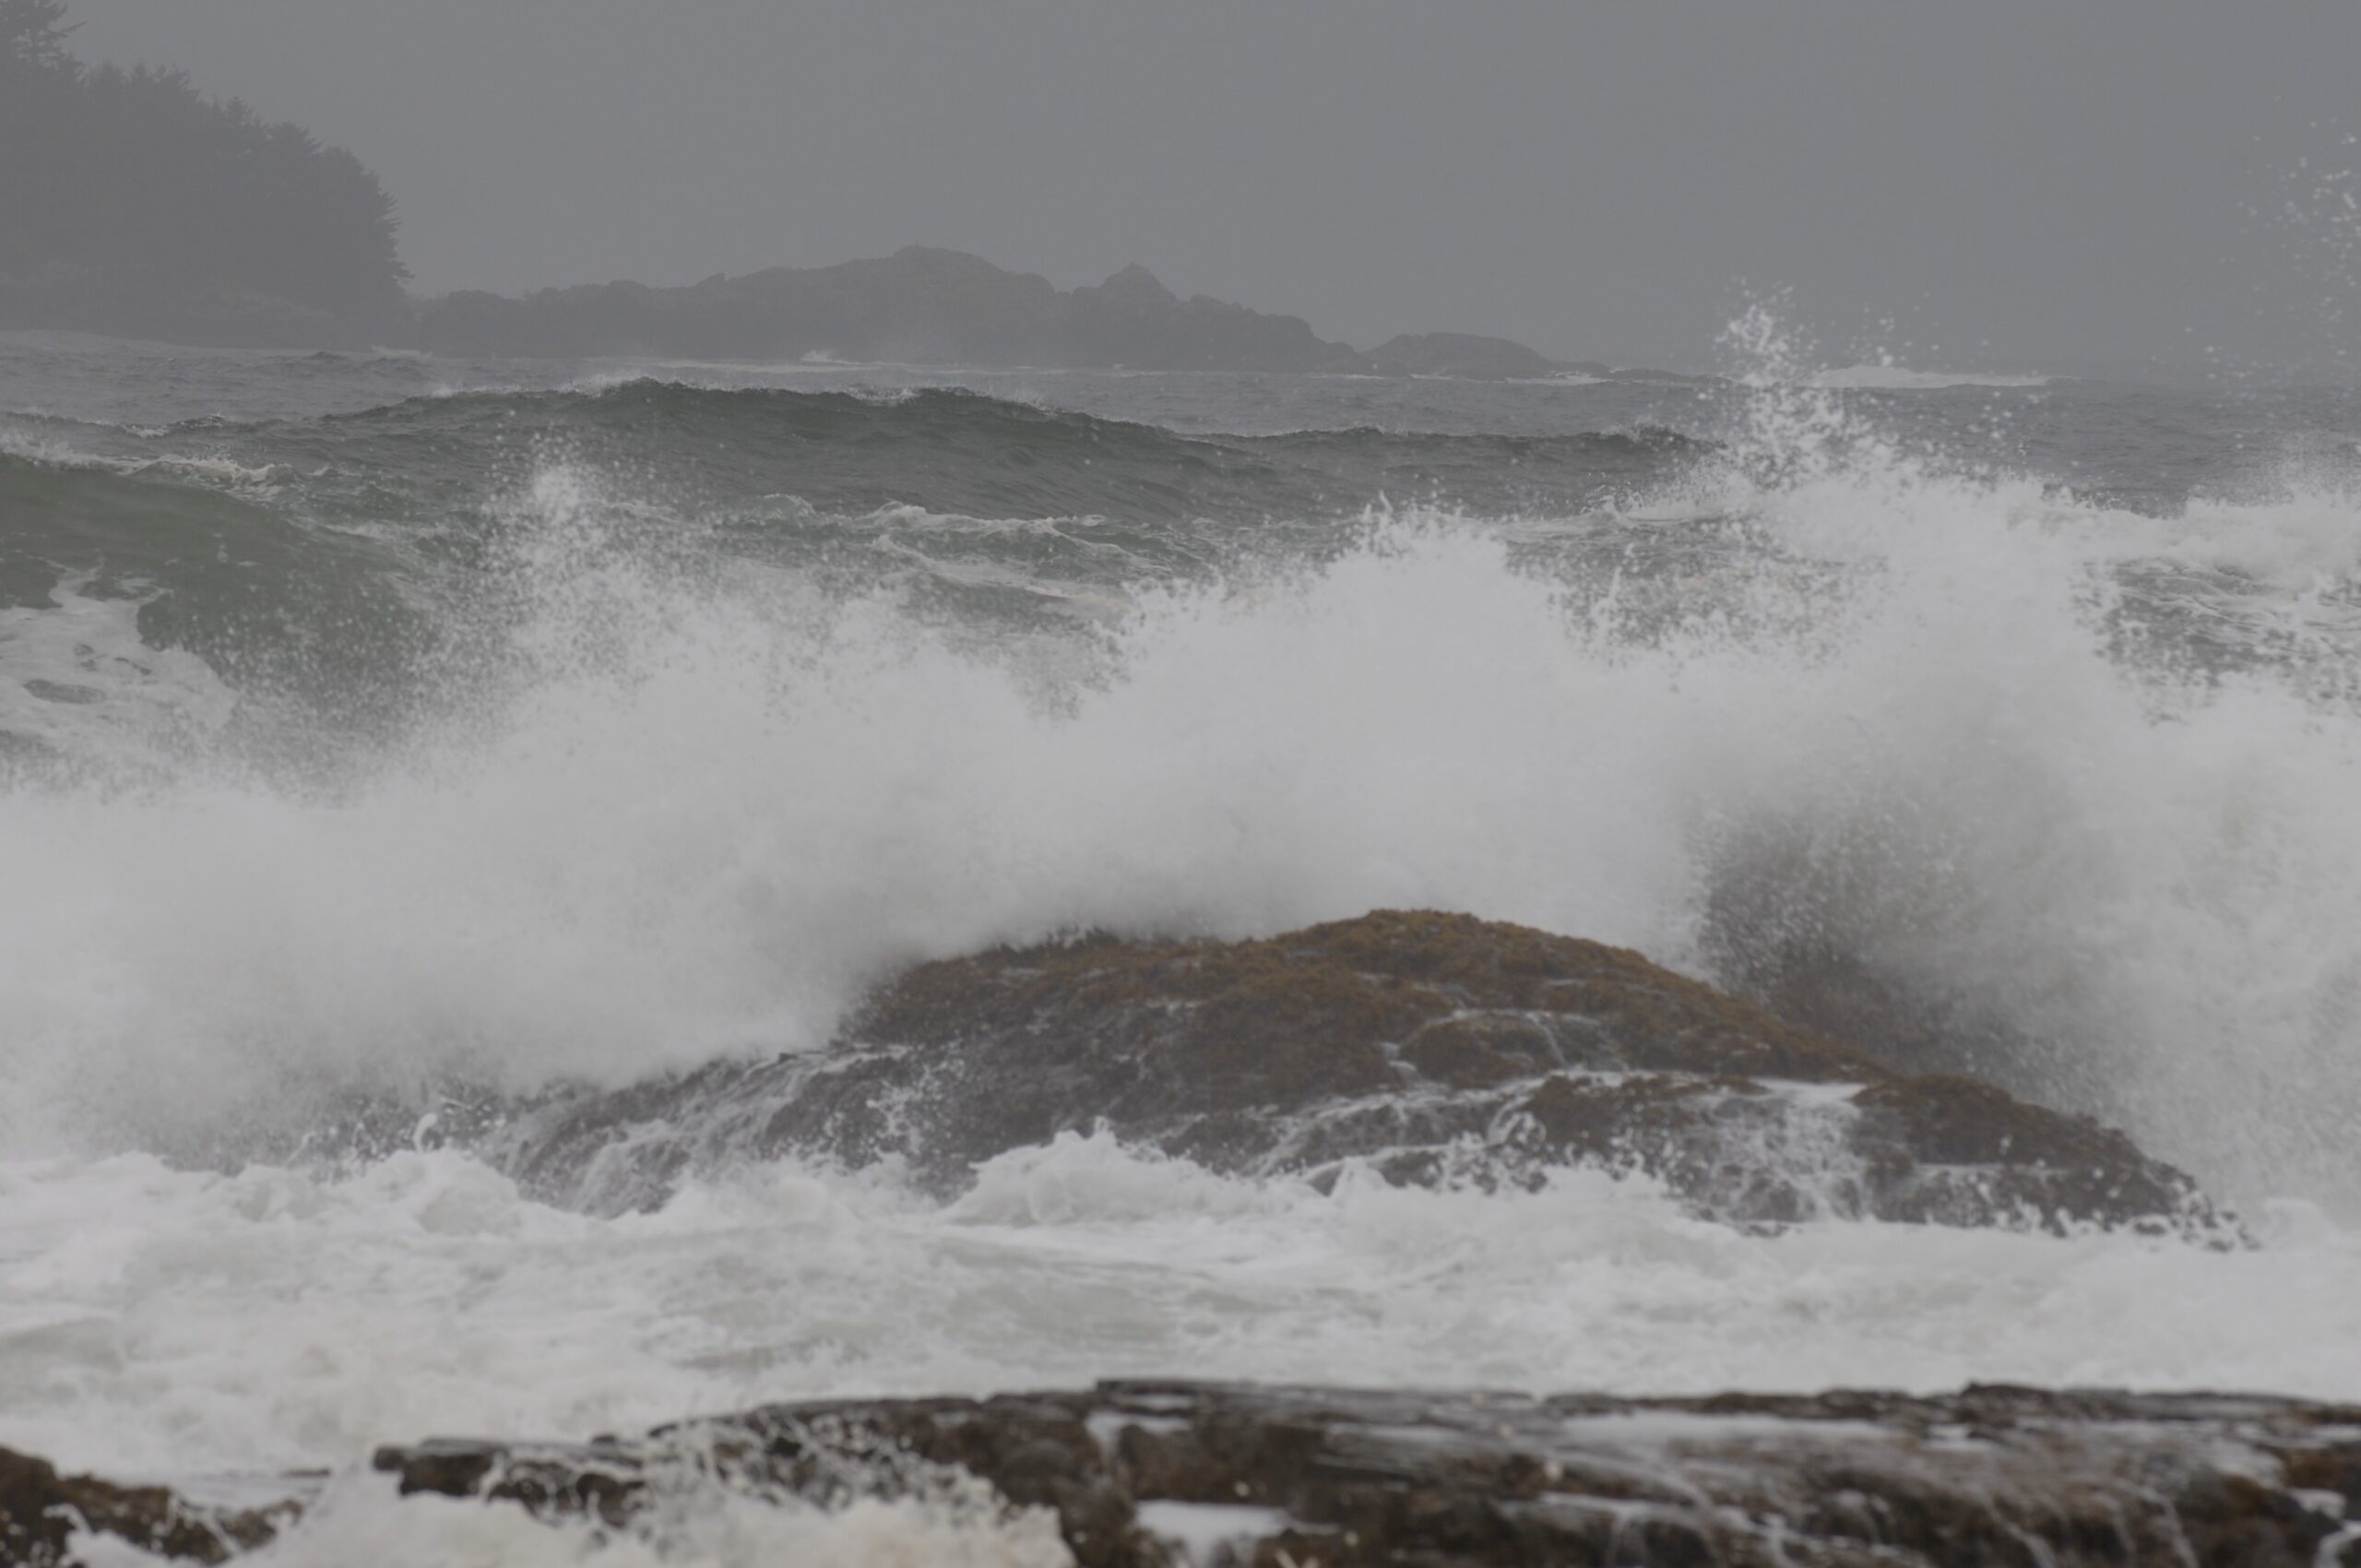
x=135, y=205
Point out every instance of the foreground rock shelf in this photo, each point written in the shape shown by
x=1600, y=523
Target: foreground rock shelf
x=42, y=1513
x=1140, y=1474
x=1425, y=1047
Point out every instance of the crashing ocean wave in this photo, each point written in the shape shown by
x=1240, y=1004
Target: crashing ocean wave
x=568, y=737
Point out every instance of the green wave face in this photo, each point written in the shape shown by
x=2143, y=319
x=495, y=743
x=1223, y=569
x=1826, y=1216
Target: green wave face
x=348, y=572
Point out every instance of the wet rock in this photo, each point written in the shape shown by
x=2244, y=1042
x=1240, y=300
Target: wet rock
x=1159, y=1474
x=1151, y=1474
x=42, y=1513
x=1427, y=1047
x=1916, y=1133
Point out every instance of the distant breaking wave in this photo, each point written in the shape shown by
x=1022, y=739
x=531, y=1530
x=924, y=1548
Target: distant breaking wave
x=1899, y=378
x=430, y=462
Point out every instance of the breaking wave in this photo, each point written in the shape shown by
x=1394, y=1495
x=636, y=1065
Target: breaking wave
x=538, y=736
x=2064, y=787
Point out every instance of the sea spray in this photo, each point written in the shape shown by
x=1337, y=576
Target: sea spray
x=549, y=736
x=689, y=803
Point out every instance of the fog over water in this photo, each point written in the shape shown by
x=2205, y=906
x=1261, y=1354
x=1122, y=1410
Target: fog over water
x=2011, y=180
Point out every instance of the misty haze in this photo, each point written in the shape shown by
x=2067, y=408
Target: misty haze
x=1162, y=786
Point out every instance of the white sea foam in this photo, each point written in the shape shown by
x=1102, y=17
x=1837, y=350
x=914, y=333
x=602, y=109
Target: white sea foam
x=360, y=1523
x=154, y=1322
x=218, y=470
x=77, y=680
x=50, y=451
x=2303, y=544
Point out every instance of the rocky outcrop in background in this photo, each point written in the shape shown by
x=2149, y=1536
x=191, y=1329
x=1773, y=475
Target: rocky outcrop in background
x=919, y=305
x=923, y=306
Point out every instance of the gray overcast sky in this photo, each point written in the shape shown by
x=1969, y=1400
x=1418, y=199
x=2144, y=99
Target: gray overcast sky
x=2042, y=179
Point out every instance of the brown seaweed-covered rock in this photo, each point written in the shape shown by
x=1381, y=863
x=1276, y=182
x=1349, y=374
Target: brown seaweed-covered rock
x=1426, y=1046
x=1144, y=1474
x=1180, y=1475
x=41, y=1511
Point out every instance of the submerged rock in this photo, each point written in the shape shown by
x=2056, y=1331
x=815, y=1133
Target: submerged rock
x=1427, y=1047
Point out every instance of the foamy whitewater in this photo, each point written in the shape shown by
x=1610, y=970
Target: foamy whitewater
x=370, y=721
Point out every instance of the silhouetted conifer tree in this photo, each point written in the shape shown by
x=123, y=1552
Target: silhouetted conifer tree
x=32, y=36
x=134, y=201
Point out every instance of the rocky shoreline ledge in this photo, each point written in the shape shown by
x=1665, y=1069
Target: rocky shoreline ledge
x=1143, y=1475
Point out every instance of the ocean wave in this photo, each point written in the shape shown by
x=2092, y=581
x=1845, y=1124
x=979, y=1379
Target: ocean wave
x=686, y=818
x=676, y=776
x=49, y=445
x=448, y=750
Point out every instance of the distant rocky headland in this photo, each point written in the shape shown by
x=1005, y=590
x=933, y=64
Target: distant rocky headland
x=138, y=206
x=922, y=305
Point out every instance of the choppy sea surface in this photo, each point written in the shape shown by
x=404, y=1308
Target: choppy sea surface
x=368, y=719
